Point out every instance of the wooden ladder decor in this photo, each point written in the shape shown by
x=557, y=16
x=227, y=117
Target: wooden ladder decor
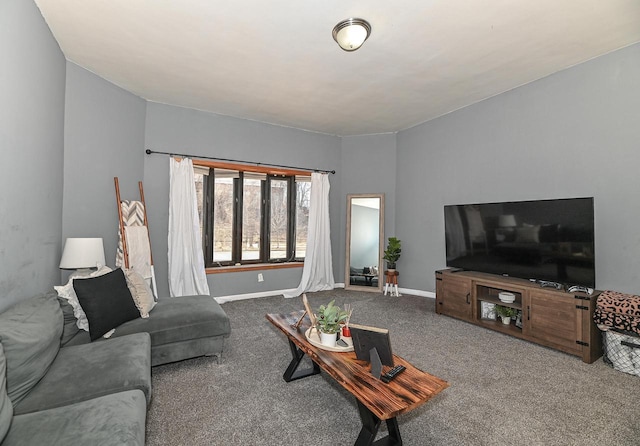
x=123, y=238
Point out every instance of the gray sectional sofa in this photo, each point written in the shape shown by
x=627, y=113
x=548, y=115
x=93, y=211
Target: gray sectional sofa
x=58, y=388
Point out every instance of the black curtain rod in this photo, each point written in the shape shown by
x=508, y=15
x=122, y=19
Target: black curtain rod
x=149, y=152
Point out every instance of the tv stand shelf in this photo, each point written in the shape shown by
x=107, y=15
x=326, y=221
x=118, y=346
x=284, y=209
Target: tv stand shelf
x=497, y=325
x=548, y=316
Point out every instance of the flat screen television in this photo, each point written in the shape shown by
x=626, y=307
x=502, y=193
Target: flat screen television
x=549, y=240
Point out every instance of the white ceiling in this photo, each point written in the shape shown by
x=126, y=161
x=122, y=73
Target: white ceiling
x=276, y=61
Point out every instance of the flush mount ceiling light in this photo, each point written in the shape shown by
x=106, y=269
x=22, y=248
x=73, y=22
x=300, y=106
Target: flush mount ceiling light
x=351, y=33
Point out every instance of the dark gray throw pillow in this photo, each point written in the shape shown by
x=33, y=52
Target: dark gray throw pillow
x=107, y=302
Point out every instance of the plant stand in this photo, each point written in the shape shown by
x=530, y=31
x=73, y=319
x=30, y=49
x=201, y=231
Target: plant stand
x=391, y=282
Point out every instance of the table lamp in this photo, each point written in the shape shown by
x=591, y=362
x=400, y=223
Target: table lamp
x=82, y=254
x=507, y=221
x=506, y=227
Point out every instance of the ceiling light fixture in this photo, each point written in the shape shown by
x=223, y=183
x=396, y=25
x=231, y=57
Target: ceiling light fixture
x=351, y=33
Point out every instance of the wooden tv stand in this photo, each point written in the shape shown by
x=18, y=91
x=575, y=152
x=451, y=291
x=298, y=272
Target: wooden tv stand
x=550, y=317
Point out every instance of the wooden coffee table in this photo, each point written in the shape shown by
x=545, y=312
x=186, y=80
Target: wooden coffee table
x=377, y=401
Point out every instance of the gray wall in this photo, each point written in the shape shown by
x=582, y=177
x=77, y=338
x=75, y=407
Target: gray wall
x=572, y=134
x=32, y=82
x=179, y=130
x=369, y=167
x=104, y=138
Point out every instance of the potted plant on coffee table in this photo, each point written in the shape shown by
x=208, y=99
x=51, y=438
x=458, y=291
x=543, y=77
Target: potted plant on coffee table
x=329, y=320
x=392, y=253
x=506, y=313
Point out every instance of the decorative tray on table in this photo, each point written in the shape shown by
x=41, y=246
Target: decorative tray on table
x=313, y=337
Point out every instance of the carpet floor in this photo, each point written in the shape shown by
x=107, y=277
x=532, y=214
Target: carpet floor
x=503, y=391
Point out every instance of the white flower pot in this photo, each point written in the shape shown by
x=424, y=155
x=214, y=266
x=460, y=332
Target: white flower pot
x=328, y=339
x=506, y=320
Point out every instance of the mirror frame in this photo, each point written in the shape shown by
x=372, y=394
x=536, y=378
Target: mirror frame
x=347, y=269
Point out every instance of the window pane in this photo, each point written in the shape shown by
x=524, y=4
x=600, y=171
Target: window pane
x=199, y=180
x=303, y=202
x=279, y=219
x=222, y=219
x=251, y=200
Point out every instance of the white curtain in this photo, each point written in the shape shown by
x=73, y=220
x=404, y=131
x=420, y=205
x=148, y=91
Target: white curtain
x=186, y=261
x=317, y=273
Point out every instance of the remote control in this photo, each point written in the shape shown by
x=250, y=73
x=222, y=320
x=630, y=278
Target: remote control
x=393, y=373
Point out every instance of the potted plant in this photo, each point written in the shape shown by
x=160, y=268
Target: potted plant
x=392, y=253
x=506, y=313
x=329, y=320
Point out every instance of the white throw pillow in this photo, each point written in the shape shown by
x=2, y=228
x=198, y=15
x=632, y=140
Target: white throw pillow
x=67, y=292
x=528, y=234
x=140, y=291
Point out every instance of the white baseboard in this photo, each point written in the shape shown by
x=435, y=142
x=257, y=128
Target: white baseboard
x=233, y=297
x=420, y=293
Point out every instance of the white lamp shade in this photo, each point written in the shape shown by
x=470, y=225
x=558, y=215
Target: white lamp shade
x=350, y=34
x=507, y=221
x=82, y=253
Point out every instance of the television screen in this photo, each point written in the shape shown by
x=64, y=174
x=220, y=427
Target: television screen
x=550, y=240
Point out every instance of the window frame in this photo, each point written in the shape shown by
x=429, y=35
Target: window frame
x=265, y=247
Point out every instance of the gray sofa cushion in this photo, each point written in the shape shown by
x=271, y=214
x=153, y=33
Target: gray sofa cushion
x=6, y=408
x=112, y=420
x=176, y=319
x=87, y=371
x=30, y=334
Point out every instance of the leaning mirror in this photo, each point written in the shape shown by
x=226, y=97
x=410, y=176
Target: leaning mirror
x=365, y=233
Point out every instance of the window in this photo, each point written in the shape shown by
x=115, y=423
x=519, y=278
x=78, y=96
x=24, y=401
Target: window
x=303, y=203
x=278, y=219
x=251, y=201
x=252, y=217
x=199, y=179
x=221, y=245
